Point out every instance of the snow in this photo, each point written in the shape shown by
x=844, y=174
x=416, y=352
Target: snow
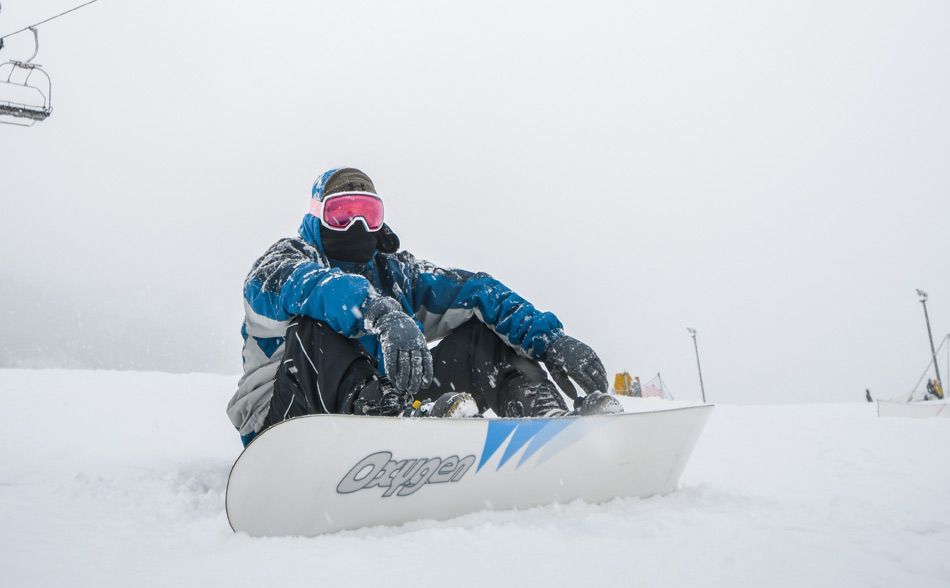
x=118, y=478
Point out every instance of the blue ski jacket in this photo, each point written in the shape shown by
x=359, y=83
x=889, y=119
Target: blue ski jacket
x=294, y=277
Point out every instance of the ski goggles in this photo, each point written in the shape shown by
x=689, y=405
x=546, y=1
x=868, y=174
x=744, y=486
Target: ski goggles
x=338, y=212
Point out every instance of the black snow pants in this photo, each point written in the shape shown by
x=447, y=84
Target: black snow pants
x=322, y=371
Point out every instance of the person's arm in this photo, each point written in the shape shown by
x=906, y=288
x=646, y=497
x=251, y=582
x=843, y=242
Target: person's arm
x=445, y=298
x=287, y=281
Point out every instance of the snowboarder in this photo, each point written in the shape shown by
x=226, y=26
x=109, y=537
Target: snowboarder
x=337, y=320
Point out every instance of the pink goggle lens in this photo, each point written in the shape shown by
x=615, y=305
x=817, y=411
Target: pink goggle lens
x=339, y=212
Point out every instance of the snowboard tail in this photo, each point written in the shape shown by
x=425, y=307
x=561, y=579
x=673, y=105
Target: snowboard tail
x=324, y=473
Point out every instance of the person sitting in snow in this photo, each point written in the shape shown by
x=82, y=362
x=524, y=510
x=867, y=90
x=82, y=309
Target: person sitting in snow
x=337, y=321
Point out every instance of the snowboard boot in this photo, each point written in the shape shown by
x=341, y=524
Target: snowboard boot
x=521, y=398
x=451, y=405
x=379, y=397
x=597, y=403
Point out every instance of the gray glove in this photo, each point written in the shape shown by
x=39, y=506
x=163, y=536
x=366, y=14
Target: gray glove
x=406, y=359
x=569, y=358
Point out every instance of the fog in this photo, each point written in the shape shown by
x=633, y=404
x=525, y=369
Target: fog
x=773, y=174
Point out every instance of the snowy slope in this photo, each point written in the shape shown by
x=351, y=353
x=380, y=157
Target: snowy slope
x=118, y=478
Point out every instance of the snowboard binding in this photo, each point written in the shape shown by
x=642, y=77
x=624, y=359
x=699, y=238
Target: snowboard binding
x=596, y=403
x=451, y=405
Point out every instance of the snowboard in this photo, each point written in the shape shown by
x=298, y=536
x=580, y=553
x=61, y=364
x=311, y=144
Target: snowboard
x=323, y=473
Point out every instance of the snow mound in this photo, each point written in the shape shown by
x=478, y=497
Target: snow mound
x=118, y=479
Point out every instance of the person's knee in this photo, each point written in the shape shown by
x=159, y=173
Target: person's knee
x=304, y=324
x=313, y=335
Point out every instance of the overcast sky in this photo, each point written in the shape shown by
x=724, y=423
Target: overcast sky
x=773, y=174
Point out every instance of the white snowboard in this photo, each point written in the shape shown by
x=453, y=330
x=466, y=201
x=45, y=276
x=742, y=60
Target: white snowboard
x=324, y=473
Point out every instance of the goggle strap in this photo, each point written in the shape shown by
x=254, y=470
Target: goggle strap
x=316, y=207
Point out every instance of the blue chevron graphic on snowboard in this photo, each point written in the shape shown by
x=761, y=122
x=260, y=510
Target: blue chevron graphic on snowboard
x=535, y=433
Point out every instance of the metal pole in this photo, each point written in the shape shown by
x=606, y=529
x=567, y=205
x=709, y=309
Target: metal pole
x=930, y=337
x=702, y=388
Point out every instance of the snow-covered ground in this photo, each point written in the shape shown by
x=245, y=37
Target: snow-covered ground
x=118, y=479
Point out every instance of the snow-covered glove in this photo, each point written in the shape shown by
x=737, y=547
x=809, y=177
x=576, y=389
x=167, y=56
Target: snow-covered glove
x=568, y=358
x=406, y=358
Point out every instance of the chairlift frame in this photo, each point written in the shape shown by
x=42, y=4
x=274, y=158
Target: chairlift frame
x=19, y=113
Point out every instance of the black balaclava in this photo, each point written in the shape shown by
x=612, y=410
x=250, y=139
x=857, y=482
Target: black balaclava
x=356, y=244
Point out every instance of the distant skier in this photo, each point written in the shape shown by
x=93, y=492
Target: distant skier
x=867, y=395
x=338, y=320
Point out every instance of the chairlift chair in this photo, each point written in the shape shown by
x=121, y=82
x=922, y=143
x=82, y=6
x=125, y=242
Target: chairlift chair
x=25, y=91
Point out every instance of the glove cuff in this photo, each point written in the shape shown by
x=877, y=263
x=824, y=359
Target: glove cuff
x=377, y=308
x=559, y=341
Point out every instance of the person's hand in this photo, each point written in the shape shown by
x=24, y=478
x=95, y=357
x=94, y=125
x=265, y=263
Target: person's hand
x=406, y=358
x=568, y=358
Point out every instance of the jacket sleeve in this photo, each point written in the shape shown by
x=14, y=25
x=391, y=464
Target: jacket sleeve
x=287, y=281
x=445, y=298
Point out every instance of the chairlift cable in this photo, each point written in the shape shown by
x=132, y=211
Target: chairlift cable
x=73, y=9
